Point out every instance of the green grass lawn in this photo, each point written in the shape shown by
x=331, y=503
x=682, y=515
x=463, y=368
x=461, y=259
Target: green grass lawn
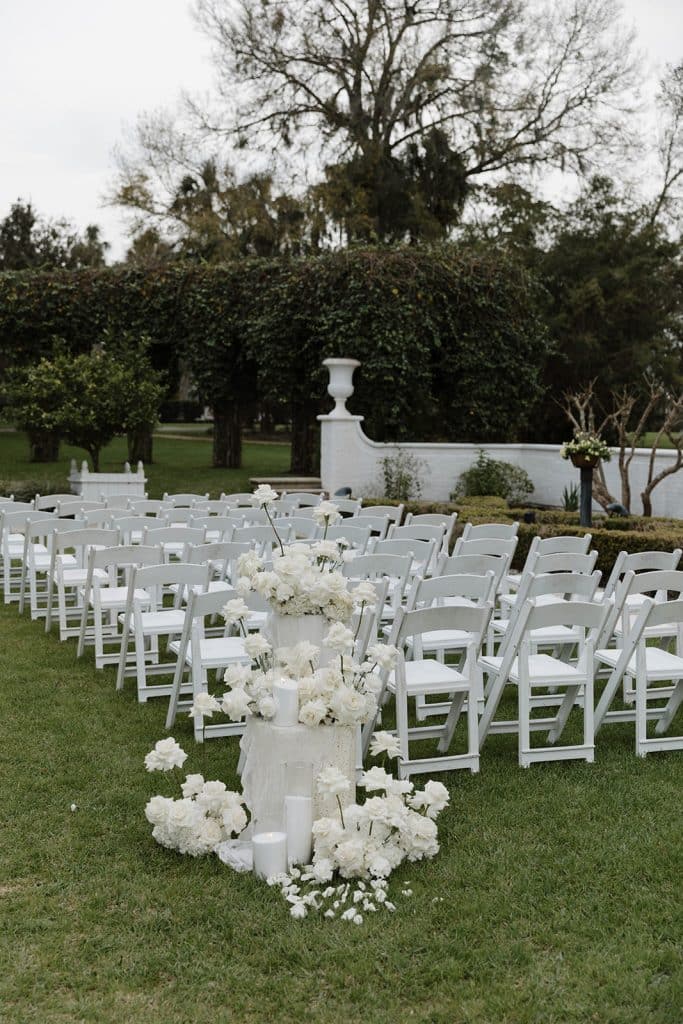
x=179, y=465
x=555, y=898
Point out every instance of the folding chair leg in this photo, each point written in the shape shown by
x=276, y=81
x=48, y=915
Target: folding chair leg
x=672, y=706
x=641, y=714
x=563, y=714
x=452, y=719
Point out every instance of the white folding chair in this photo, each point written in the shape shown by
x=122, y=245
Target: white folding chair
x=547, y=546
x=435, y=519
x=424, y=677
x=262, y=538
x=201, y=654
x=145, y=620
x=76, y=507
x=393, y=512
x=218, y=528
x=147, y=506
x=379, y=525
x=541, y=565
x=420, y=551
x=240, y=499
x=487, y=531
x=186, y=500
x=13, y=525
x=117, y=501
x=107, y=597
x=43, y=502
x=304, y=527
x=68, y=572
x=394, y=568
x=356, y=536
x=348, y=506
x=640, y=561
x=472, y=565
x=300, y=499
x=38, y=538
x=173, y=540
x=651, y=666
x=538, y=675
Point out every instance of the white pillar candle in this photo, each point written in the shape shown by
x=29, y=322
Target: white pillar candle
x=270, y=854
x=286, y=696
x=299, y=826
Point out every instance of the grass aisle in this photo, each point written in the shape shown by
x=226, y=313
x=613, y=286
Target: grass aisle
x=557, y=888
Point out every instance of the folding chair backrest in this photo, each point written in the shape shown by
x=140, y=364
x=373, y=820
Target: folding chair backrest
x=222, y=525
x=187, y=500
x=82, y=538
x=486, y=546
x=586, y=614
x=303, y=526
x=254, y=516
x=376, y=566
x=357, y=536
x=153, y=578
x=417, y=531
x=41, y=502
x=473, y=620
x=77, y=506
x=300, y=499
x=173, y=535
x=146, y=506
x=378, y=524
x=421, y=550
x=124, y=556
x=211, y=603
x=96, y=517
x=564, y=561
x=430, y=519
x=426, y=592
x=258, y=536
x=366, y=622
x=180, y=516
x=490, y=531
x=348, y=506
x=239, y=499
x=119, y=501
x=638, y=562
x=394, y=512
x=472, y=565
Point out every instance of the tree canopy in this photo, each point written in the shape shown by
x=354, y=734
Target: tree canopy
x=29, y=242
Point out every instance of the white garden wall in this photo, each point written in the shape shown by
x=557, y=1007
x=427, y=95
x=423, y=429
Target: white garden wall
x=349, y=458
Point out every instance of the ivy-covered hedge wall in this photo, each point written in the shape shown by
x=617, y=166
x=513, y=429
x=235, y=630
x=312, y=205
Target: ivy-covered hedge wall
x=450, y=340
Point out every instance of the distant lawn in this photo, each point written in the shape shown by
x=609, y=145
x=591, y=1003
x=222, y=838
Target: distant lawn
x=555, y=898
x=179, y=465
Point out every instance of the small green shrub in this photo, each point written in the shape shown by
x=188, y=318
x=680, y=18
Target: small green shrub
x=493, y=477
x=570, y=498
x=402, y=476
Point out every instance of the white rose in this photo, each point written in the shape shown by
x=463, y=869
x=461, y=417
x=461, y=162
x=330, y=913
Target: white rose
x=203, y=706
x=237, y=676
x=312, y=712
x=167, y=754
x=364, y=593
x=192, y=785
x=326, y=513
x=235, y=611
x=266, y=707
x=325, y=549
x=332, y=782
x=263, y=495
x=434, y=798
x=384, y=655
x=339, y=638
x=375, y=778
x=236, y=704
x=248, y=564
x=158, y=809
x=256, y=645
x=385, y=743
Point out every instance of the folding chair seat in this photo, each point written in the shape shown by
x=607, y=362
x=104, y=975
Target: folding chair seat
x=173, y=540
x=12, y=528
x=145, y=620
x=547, y=546
x=536, y=675
x=422, y=677
x=108, y=597
x=67, y=574
x=394, y=513
x=201, y=654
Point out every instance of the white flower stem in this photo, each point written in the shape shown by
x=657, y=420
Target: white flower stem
x=341, y=812
x=277, y=535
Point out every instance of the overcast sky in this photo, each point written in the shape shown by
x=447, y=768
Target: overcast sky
x=74, y=74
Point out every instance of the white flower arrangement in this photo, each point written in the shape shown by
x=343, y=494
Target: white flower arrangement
x=589, y=446
x=344, y=693
x=354, y=856
x=207, y=815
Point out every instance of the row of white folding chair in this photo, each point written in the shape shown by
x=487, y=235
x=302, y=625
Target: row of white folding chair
x=13, y=525
x=543, y=565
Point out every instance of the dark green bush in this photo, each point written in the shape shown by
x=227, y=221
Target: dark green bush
x=488, y=476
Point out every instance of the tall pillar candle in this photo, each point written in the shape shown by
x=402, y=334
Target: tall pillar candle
x=286, y=697
x=299, y=828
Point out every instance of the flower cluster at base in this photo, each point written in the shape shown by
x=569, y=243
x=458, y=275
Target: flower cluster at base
x=207, y=814
x=588, y=446
x=365, y=844
x=344, y=693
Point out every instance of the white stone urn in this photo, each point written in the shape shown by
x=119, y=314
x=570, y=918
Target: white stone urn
x=340, y=386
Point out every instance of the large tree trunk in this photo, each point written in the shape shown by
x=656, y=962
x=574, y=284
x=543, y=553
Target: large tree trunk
x=44, y=445
x=140, y=446
x=94, y=454
x=227, y=437
x=305, y=441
